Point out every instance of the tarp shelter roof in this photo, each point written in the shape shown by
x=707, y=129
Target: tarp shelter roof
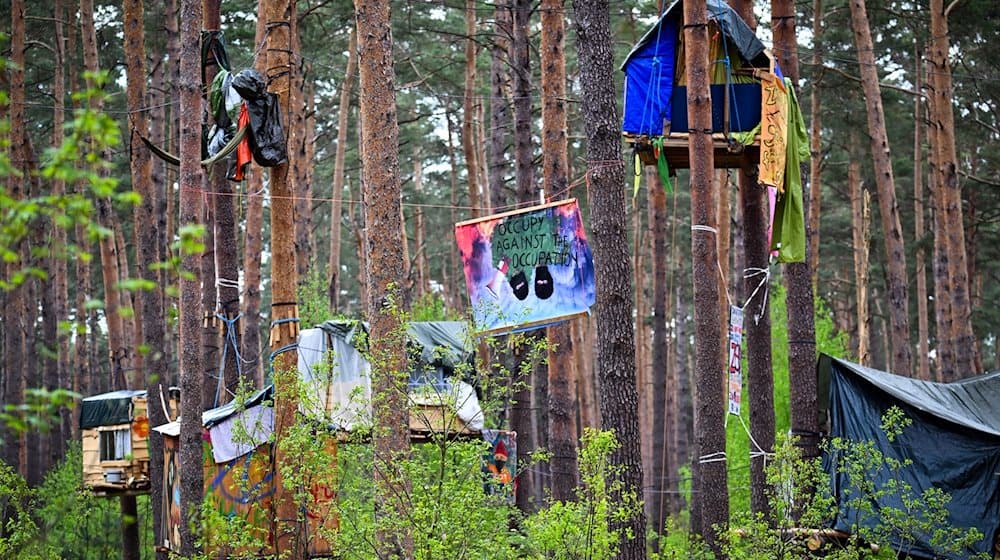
x=444, y=344
x=972, y=403
x=952, y=444
x=219, y=414
x=650, y=66
x=108, y=409
x=732, y=25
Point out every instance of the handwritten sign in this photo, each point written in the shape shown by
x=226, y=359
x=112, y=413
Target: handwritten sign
x=527, y=268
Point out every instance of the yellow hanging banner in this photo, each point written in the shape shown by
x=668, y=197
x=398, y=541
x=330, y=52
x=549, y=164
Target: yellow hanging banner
x=773, y=131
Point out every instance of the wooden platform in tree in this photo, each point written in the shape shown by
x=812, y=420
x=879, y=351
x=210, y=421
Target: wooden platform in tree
x=729, y=154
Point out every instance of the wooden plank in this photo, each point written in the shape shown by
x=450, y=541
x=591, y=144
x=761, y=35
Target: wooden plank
x=675, y=149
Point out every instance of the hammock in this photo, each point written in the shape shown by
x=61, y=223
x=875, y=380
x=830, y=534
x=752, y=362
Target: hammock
x=174, y=160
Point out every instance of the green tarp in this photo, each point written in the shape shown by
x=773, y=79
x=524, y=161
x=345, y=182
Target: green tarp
x=108, y=409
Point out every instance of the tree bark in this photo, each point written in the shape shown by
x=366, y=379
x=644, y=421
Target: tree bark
x=16, y=320
x=901, y=361
x=615, y=339
x=920, y=256
x=815, y=138
x=148, y=235
x=384, y=267
x=861, y=238
x=663, y=403
x=253, y=246
x=288, y=527
x=298, y=163
x=499, y=105
x=710, y=472
x=468, y=109
x=562, y=406
x=337, y=205
x=226, y=259
x=966, y=354
x=191, y=182
x=800, y=301
x=522, y=419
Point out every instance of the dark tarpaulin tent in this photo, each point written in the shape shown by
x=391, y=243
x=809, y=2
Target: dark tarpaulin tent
x=953, y=443
x=650, y=66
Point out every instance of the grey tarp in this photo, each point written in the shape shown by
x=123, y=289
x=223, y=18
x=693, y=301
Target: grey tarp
x=953, y=444
x=439, y=344
x=108, y=409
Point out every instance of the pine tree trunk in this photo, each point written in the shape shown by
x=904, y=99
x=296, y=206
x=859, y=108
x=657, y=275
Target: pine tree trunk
x=211, y=333
x=901, y=362
x=663, y=404
x=17, y=317
x=287, y=530
x=615, y=338
x=757, y=331
x=561, y=405
x=226, y=259
x=421, y=278
x=336, y=211
x=860, y=231
x=499, y=105
x=798, y=278
x=297, y=149
x=147, y=236
x=191, y=184
x=384, y=269
x=468, y=110
x=815, y=137
x=920, y=256
x=520, y=413
x=710, y=471
x=966, y=354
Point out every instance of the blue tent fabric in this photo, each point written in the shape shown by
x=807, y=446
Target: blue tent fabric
x=649, y=79
x=953, y=444
x=649, y=67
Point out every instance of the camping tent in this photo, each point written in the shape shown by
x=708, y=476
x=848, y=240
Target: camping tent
x=651, y=73
x=953, y=444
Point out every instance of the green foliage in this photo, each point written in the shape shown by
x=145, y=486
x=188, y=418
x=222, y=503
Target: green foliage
x=60, y=519
x=19, y=531
x=580, y=529
x=430, y=306
x=79, y=160
x=314, y=298
x=892, y=529
x=876, y=478
x=39, y=411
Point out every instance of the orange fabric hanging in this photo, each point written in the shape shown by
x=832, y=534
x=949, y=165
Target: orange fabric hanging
x=243, y=154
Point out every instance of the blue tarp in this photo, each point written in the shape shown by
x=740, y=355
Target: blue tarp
x=649, y=68
x=952, y=444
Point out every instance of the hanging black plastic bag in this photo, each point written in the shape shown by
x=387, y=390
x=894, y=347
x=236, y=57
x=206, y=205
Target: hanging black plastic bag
x=267, y=137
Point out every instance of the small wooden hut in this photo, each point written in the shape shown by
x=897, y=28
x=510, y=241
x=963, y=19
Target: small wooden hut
x=115, y=431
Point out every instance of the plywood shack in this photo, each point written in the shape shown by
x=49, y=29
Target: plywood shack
x=239, y=484
x=115, y=432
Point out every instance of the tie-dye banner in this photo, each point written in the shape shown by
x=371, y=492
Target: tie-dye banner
x=527, y=268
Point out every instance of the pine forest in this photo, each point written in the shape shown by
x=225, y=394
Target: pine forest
x=459, y=279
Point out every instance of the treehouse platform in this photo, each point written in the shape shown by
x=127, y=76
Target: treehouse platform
x=728, y=153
